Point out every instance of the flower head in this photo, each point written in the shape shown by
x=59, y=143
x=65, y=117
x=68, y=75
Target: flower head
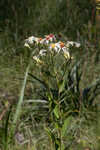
x=49, y=42
x=71, y=43
x=26, y=45
x=67, y=55
x=42, y=52
x=57, y=46
x=50, y=37
x=54, y=46
x=30, y=40
x=36, y=58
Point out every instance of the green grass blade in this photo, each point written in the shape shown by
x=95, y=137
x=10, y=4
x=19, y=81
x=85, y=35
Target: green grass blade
x=18, y=109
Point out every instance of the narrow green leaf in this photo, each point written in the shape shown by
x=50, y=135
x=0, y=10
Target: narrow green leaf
x=18, y=109
x=65, y=125
x=61, y=86
x=56, y=111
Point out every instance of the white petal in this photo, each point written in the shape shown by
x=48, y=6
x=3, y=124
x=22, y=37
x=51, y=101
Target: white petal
x=71, y=43
x=42, y=52
x=31, y=40
x=26, y=45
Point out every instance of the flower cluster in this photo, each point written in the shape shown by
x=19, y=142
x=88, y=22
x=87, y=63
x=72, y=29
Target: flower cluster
x=51, y=45
x=44, y=41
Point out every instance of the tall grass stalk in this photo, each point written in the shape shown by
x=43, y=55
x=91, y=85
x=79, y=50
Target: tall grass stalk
x=18, y=109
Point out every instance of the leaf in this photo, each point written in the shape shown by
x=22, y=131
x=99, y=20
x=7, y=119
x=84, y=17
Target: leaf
x=65, y=125
x=61, y=86
x=36, y=101
x=56, y=111
x=19, y=105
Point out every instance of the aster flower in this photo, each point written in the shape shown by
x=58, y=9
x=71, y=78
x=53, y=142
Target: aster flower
x=37, y=40
x=48, y=41
x=71, y=43
x=40, y=41
x=30, y=40
x=36, y=58
x=42, y=52
x=66, y=53
x=54, y=46
x=50, y=37
x=57, y=46
x=26, y=45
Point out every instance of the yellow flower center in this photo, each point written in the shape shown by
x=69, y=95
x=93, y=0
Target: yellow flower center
x=53, y=45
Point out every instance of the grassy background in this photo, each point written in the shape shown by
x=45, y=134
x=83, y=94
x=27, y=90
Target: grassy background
x=20, y=19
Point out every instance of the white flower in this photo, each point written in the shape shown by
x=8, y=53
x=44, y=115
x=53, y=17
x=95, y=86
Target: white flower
x=57, y=46
x=36, y=40
x=42, y=41
x=46, y=41
x=66, y=53
x=36, y=58
x=31, y=40
x=77, y=45
x=54, y=46
x=42, y=52
x=56, y=49
x=26, y=45
x=49, y=38
x=71, y=43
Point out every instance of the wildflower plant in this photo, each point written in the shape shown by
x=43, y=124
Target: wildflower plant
x=59, y=104
x=56, y=83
